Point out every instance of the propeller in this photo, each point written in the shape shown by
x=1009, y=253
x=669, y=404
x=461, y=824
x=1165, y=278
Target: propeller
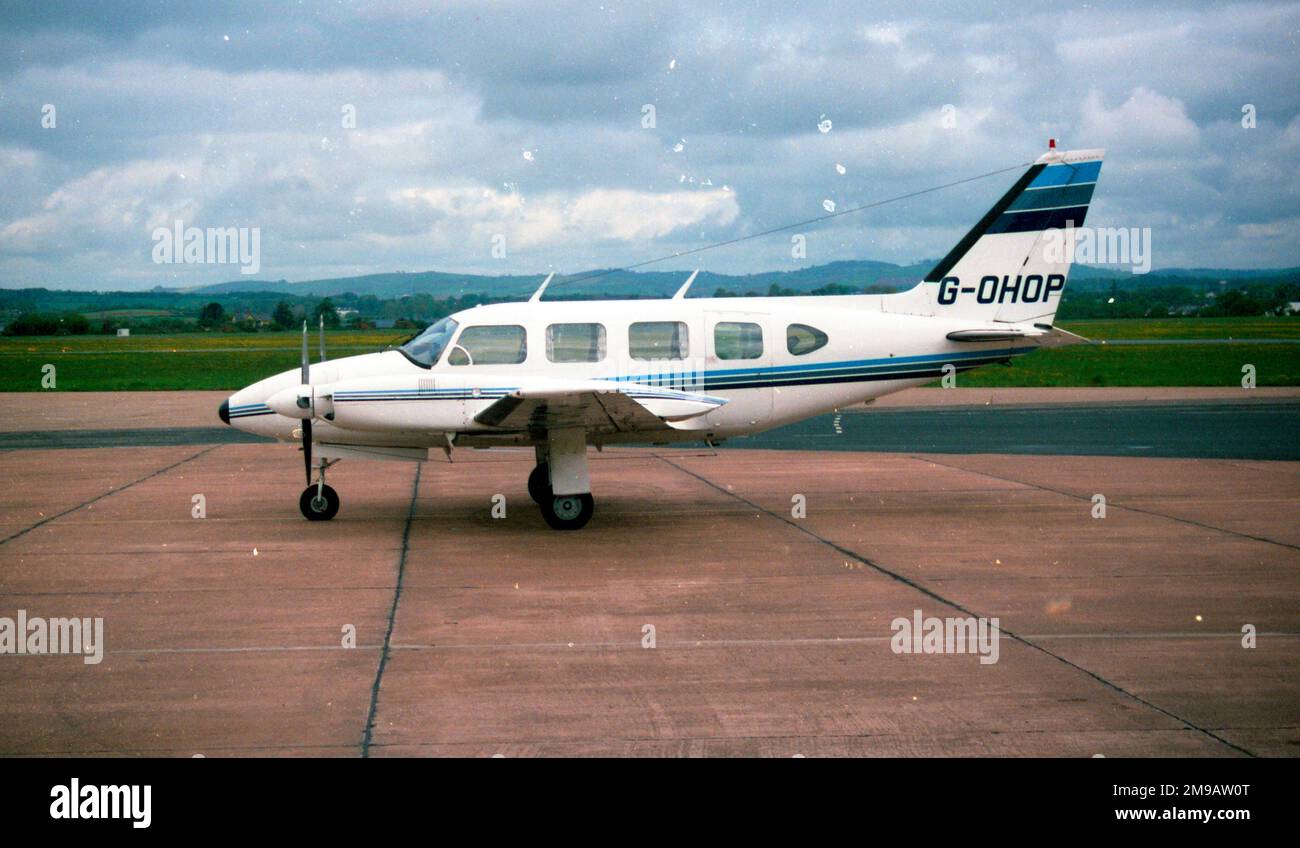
x=306, y=380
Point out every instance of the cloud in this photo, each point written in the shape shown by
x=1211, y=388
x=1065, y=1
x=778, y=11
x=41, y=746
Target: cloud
x=1147, y=119
x=161, y=117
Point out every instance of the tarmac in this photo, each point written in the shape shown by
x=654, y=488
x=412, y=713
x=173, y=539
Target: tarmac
x=701, y=613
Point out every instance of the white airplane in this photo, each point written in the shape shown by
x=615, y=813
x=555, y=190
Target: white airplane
x=561, y=376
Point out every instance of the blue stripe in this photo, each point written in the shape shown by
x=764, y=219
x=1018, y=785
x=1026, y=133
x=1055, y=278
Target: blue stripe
x=1058, y=175
x=893, y=367
x=1039, y=219
x=1051, y=198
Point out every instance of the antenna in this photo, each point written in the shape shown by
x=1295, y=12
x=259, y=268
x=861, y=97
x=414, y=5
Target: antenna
x=681, y=293
x=537, y=295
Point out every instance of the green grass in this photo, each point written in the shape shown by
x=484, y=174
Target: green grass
x=1144, y=365
x=1187, y=328
x=352, y=340
x=228, y=361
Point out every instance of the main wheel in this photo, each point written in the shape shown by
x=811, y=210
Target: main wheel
x=539, y=484
x=568, y=512
x=319, y=507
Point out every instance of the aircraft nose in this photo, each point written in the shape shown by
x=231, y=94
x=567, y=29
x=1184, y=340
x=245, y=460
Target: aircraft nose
x=223, y=411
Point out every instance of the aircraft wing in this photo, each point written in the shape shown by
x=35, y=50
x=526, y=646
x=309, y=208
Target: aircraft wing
x=594, y=405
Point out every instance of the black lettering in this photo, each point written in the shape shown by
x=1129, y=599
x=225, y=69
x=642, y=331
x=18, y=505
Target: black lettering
x=1009, y=289
x=988, y=289
x=1036, y=282
x=948, y=293
x=1055, y=282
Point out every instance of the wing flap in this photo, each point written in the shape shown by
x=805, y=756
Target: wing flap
x=594, y=406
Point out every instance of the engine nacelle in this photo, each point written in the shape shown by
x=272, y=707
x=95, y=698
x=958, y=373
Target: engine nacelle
x=395, y=404
x=298, y=402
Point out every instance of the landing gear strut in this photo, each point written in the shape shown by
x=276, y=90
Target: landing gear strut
x=319, y=502
x=560, y=484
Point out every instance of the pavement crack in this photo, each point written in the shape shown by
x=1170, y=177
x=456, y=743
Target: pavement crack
x=368, y=736
x=99, y=498
x=906, y=581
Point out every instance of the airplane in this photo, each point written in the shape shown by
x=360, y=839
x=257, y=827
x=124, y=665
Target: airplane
x=561, y=376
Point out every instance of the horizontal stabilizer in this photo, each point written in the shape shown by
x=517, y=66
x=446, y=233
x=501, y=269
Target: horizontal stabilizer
x=1042, y=335
x=989, y=335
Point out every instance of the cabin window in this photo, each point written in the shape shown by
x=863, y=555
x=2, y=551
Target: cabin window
x=737, y=340
x=502, y=344
x=575, y=342
x=801, y=339
x=659, y=340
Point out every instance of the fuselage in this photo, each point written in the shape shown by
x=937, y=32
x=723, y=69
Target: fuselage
x=769, y=361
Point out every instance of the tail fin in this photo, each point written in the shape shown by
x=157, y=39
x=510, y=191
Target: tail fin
x=1012, y=266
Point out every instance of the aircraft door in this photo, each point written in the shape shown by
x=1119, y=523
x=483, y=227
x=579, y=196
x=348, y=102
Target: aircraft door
x=740, y=351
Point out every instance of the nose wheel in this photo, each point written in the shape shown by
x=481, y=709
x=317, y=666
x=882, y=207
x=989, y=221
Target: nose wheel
x=319, y=502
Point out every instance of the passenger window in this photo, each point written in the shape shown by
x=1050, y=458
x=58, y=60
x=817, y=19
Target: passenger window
x=801, y=339
x=504, y=344
x=658, y=340
x=575, y=342
x=737, y=340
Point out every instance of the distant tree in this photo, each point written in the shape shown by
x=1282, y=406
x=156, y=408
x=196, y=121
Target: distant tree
x=1238, y=303
x=212, y=315
x=282, y=317
x=326, y=308
x=48, y=324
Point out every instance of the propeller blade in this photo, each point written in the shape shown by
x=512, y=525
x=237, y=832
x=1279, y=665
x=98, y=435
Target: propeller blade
x=306, y=366
x=306, y=447
x=306, y=422
x=322, y=337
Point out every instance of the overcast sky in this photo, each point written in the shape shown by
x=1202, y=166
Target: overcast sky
x=520, y=120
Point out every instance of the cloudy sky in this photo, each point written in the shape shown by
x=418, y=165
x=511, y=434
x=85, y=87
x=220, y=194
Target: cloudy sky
x=523, y=125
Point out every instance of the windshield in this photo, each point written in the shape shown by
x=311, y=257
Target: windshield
x=425, y=348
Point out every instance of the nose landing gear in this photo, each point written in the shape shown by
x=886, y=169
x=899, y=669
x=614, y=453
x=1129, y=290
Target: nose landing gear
x=319, y=502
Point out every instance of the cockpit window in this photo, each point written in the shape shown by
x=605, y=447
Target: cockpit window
x=425, y=348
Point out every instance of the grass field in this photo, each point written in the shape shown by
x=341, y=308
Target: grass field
x=228, y=361
x=1187, y=328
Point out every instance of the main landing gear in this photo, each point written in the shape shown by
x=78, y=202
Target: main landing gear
x=319, y=502
x=560, y=485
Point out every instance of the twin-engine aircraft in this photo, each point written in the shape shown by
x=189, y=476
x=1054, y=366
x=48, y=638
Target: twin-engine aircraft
x=561, y=376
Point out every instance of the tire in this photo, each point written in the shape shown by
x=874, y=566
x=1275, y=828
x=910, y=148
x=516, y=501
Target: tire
x=313, y=509
x=539, y=484
x=569, y=512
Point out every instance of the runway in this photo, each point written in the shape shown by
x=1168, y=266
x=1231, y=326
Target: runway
x=1195, y=429
x=771, y=628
